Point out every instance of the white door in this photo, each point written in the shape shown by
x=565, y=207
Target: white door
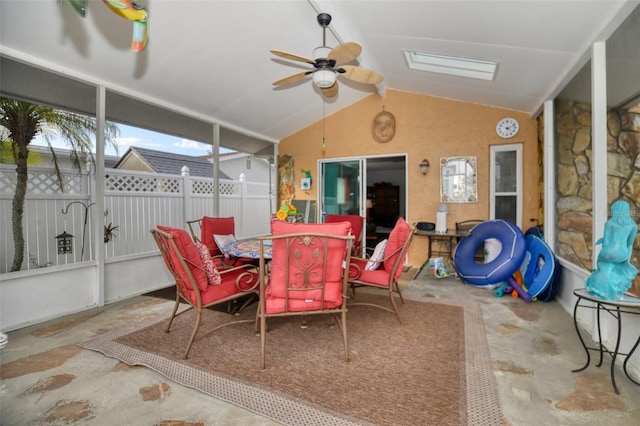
x=506, y=183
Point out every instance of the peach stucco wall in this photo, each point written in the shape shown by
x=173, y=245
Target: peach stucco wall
x=426, y=127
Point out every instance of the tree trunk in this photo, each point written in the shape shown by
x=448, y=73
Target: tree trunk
x=24, y=136
x=17, y=214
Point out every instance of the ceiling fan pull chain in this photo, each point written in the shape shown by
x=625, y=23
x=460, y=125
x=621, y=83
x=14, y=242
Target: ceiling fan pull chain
x=324, y=142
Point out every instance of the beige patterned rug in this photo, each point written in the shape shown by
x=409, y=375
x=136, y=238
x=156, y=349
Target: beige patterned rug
x=433, y=369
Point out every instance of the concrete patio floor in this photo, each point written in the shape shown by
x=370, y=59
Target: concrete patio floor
x=48, y=380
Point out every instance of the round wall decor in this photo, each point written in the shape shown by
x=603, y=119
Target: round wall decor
x=383, y=127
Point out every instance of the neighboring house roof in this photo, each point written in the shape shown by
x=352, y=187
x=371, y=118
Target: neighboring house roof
x=63, y=156
x=144, y=159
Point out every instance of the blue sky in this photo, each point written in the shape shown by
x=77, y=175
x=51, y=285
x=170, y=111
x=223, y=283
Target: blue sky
x=133, y=136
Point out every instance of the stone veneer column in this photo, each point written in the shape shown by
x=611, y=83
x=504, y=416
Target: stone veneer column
x=574, y=203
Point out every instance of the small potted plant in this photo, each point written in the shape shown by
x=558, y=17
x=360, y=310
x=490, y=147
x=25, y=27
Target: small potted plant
x=109, y=232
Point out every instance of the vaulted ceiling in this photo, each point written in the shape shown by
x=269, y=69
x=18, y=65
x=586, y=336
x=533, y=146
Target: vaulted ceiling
x=211, y=60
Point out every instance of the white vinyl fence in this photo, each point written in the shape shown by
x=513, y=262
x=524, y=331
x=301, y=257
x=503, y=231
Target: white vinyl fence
x=135, y=202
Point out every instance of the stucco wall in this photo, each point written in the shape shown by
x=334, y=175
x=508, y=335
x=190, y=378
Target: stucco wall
x=426, y=127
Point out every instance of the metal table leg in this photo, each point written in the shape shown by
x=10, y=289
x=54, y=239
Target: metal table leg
x=575, y=323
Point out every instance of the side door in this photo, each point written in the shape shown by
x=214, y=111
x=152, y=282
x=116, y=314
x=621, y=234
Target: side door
x=506, y=183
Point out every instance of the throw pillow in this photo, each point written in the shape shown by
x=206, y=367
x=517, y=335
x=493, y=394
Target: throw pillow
x=376, y=257
x=213, y=276
x=187, y=249
x=223, y=240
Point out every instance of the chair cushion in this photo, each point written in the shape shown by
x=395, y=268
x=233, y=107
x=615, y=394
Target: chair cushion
x=215, y=225
x=213, y=276
x=357, y=223
x=276, y=305
x=377, y=256
x=228, y=285
x=357, y=272
x=379, y=277
x=336, y=254
x=188, y=250
x=397, y=238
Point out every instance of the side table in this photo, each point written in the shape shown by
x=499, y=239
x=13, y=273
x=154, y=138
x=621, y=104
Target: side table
x=629, y=305
x=448, y=239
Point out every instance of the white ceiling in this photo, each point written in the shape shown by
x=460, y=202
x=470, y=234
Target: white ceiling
x=211, y=59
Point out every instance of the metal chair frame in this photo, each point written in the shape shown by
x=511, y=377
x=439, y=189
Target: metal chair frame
x=305, y=263
x=392, y=285
x=222, y=261
x=246, y=283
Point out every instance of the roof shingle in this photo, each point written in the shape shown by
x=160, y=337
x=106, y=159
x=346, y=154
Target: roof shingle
x=171, y=163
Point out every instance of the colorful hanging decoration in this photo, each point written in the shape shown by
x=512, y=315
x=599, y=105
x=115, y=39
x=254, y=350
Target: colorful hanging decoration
x=80, y=6
x=286, y=187
x=306, y=181
x=128, y=9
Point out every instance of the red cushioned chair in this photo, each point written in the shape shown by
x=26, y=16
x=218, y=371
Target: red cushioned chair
x=183, y=261
x=210, y=226
x=386, y=275
x=357, y=225
x=306, y=275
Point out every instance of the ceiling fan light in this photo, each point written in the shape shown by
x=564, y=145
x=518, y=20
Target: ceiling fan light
x=321, y=52
x=324, y=78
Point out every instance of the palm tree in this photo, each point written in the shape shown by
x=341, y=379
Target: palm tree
x=24, y=121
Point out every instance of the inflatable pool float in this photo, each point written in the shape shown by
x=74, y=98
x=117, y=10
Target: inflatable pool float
x=513, y=249
x=540, y=269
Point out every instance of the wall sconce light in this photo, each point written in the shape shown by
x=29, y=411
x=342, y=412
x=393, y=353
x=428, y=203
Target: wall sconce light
x=424, y=166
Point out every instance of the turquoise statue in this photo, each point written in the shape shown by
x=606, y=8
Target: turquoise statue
x=615, y=272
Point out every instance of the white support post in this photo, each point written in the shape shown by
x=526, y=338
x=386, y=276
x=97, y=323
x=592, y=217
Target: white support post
x=274, y=190
x=216, y=168
x=187, y=193
x=599, y=141
x=98, y=210
x=550, y=175
x=599, y=155
x=243, y=207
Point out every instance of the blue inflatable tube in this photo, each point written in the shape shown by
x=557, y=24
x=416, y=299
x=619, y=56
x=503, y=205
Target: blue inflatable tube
x=541, y=266
x=500, y=268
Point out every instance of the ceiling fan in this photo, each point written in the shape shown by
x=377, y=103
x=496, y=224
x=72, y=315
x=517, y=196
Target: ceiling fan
x=328, y=63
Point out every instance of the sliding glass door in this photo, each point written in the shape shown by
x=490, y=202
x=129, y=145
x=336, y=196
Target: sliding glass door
x=345, y=183
x=341, y=189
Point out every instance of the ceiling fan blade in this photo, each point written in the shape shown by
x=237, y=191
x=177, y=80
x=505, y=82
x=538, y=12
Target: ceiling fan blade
x=292, y=78
x=346, y=52
x=331, y=91
x=293, y=57
x=360, y=75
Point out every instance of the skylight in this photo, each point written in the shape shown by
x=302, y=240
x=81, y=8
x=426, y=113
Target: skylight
x=451, y=65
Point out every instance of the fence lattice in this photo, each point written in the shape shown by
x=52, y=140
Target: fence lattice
x=135, y=202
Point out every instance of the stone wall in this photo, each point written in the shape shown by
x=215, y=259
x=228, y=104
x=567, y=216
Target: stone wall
x=574, y=156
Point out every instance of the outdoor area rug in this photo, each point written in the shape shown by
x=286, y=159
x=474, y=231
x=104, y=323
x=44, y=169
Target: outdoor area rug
x=433, y=369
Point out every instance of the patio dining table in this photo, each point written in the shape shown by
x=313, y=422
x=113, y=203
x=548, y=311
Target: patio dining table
x=247, y=248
